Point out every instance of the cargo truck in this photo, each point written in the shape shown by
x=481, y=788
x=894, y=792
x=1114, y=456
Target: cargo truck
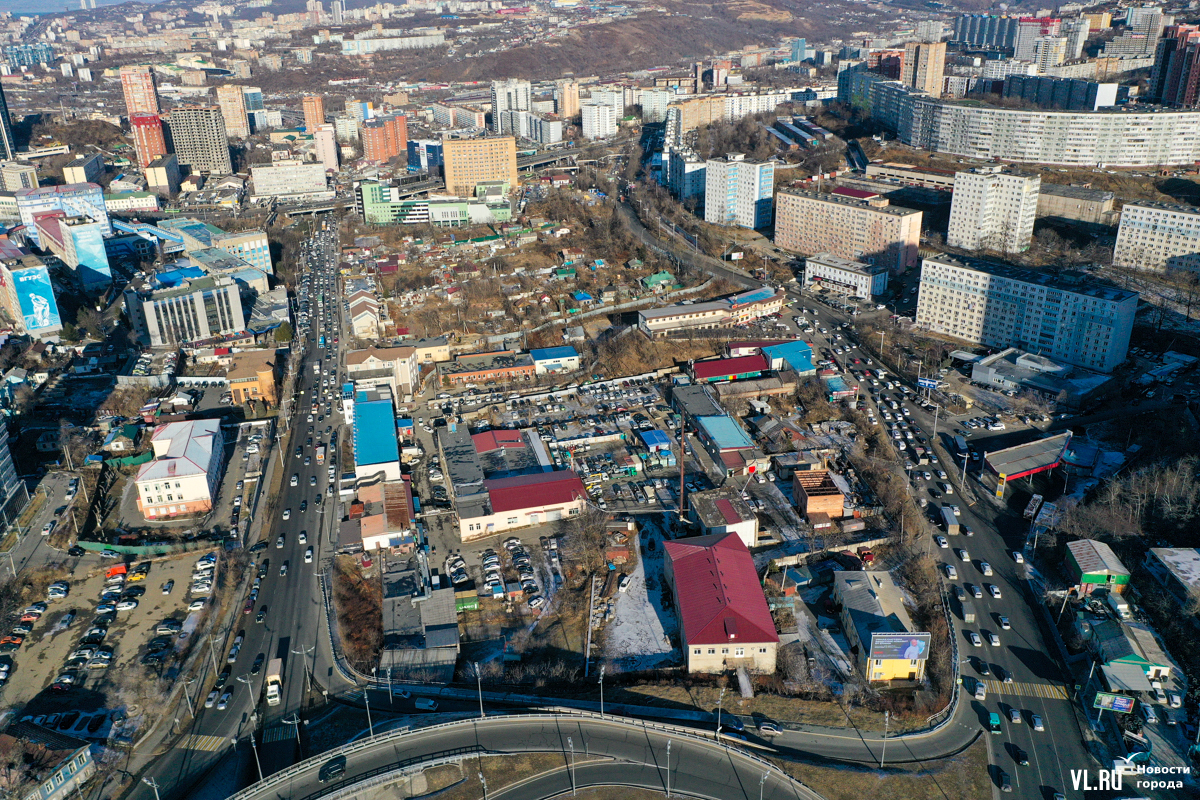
x=1119, y=606
x=952, y=525
x=968, y=611
x=275, y=681
x=961, y=444
x=321, y=454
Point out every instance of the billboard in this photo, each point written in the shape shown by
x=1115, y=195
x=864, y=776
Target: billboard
x=1113, y=702
x=927, y=383
x=35, y=295
x=905, y=646
x=91, y=259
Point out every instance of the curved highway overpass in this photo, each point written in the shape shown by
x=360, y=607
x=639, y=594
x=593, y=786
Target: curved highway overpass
x=644, y=754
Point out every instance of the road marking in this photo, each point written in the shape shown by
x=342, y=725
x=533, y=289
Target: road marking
x=210, y=744
x=1050, y=691
x=277, y=733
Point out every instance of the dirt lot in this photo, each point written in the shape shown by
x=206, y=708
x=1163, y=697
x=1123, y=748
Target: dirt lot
x=126, y=682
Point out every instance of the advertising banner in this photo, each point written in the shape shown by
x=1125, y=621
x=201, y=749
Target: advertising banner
x=35, y=295
x=905, y=646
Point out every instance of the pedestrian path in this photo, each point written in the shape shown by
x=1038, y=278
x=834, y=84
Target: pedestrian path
x=1050, y=691
x=278, y=733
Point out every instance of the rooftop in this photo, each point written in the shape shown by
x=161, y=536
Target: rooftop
x=685, y=310
x=848, y=265
x=874, y=602
x=551, y=353
x=375, y=433
x=1002, y=270
x=720, y=508
x=726, y=432
x=1076, y=192
x=717, y=591
x=486, y=362
x=183, y=448
x=872, y=204
x=530, y=491
x=1096, y=558
x=728, y=367
x=1183, y=562
x=463, y=468
x=1029, y=458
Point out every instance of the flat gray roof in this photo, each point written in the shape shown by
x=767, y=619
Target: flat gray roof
x=1025, y=459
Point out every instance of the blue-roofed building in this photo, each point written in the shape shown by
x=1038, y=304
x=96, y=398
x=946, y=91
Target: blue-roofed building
x=796, y=356
x=348, y=403
x=836, y=388
x=376, y=448
x=554, y=359
x=760, y=302
x=723, y=433
x=174, y=277
x=655, y=440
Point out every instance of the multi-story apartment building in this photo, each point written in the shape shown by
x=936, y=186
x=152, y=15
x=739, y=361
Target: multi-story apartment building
x=985, y=30
x=384, y=137
x=325, y=139
x=1158, y=236
x=196, y=309
x=27, y=296
x=1126, y=136
x=162, y=175
x=923, y=67
x=1071, y=94
x=686, y=173
x=469, y=162
x=850, y=278
x=1175, y=78
x=512, y=94
x=149, y=142
x=314, y=111
x=738, y=192
x=232, y=102
x=860, y=226
x=18, y=175
x=182, y=479
x=993, y=208
x=566, y=99
x=598, y=120
x=200, y=139
x=73, y=199
x=998, y=305
x=140, y=89
x=1029, y=31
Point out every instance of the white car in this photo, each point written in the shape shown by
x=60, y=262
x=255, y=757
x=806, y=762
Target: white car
x=963, y=555
x=287, y=513
x=941, y=542
x=993, y=639
x=994, y=590
x=951, y=572
x=127, y=605
x=197, y=605
x=303, y=537
x=308, y=556
x=975, y=640
x=985, y=568
x=47, y=528
x=1018, y=557
x=295, y=479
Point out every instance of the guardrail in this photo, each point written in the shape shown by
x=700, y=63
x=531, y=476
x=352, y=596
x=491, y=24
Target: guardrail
x=255, y=790
x=387, y=774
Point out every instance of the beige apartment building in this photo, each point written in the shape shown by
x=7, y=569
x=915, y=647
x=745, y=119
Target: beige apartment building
x=923, y=67
x=468, y=162
x=850, y=224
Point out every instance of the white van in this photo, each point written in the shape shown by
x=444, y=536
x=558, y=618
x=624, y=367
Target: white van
x=425, y=704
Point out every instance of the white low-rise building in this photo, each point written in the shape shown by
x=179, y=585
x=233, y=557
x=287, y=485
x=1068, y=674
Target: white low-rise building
x=852, y=278
x=182, y=479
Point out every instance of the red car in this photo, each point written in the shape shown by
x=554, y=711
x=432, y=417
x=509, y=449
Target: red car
x=249, y=607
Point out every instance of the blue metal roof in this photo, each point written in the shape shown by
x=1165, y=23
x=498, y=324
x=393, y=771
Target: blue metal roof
x=798, y=355
x=655, y=439
x=725, y=431
x=551, y=353
x=375, y=433
x=753, y=296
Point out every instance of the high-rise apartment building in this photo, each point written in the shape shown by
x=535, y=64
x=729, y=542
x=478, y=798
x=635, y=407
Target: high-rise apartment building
x=1049, y=51
x=598, y=120
x=14, y=496
x=985, y=30
x=140, y=88
x=1143, y=27
x=468, y=162
x=1076, y=32
x=654, y=103
x=924, y=66
x=850, y=224
x=1159, y=237
x=993, y=208
x=999, y=306
x=232, y=102
x=566, y=99
x=1175, y=79
x=739, y=192
x=384, y=137
x=1029, y=30
x=325, y=139
x=200, y=139
x=149, y=141
x=314, y=111
x=512, y=94
x=8, y=145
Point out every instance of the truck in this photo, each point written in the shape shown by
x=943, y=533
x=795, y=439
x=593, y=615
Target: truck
x=994, y=723
x=1119, y=606
x=321, y=454
x=1035, y=504
x=961, y=444
x=274, y=681
x=317, y=367
x=968, y=611
x=951, y=521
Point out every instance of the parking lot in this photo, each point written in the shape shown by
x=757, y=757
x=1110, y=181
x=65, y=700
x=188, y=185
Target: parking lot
x=102, y=644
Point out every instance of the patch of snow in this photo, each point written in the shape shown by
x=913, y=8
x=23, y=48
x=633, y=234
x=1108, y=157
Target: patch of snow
x=639, y=635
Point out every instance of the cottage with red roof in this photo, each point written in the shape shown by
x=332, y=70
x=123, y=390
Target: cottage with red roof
x=723, y=617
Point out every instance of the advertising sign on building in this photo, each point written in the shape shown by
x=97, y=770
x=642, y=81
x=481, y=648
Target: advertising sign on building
x=36, y=297
x=905, y=646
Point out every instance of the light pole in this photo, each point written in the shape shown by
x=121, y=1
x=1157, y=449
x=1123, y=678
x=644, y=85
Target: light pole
x=212, y=653
x=883, y=755
x=571, y=745
x=479, y=686
x=762, y=782
x=303, y=653
x=668, y=767
x=601, y=691
x=367, y=698
x=294, y=721
x=188, y=697
x=153, y=784
x=720, y=700
x=483, y=780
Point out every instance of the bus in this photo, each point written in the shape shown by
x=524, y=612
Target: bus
x=321, y=342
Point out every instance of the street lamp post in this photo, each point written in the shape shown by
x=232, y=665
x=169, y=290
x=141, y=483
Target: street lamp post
x=571, y=745
x=153, y=784
x=720, y=700
x=188, y=697
x=294, y=721
x=601, y=691
x=479, y=686
x=883, y=755
x=303, y=653
x=761, y=783
x=483, y=780
x=367, y=698
x=668, y=767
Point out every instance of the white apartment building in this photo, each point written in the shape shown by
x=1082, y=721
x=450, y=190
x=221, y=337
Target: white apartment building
x=998, y=305
x=654, y=103
x=614, y=98
x=183, y=477
x=598, y=121
x=1158, y=236
x=686, y=173
x=993, y=208
x=512, y=94
x=738, y=192
x=850, y=278
x=291, y=179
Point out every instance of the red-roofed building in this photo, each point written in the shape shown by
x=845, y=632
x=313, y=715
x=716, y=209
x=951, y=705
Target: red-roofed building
x=496, y=440
x=857, y=194
x=729, y=369
x=723, y=616
x=522, y=501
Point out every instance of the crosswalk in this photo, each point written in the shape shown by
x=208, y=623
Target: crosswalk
x=277, y=733
x=209, y=744
x=1050, y=691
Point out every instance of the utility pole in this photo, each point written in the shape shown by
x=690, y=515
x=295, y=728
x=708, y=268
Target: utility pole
x=883, y=755
x=601, y=691
x=720, y=700
x=571, y=744
x=212, y=653
x=668, y=767
x=479, y=686
x=153, y=784
x=188, y=697
x=303, y=653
